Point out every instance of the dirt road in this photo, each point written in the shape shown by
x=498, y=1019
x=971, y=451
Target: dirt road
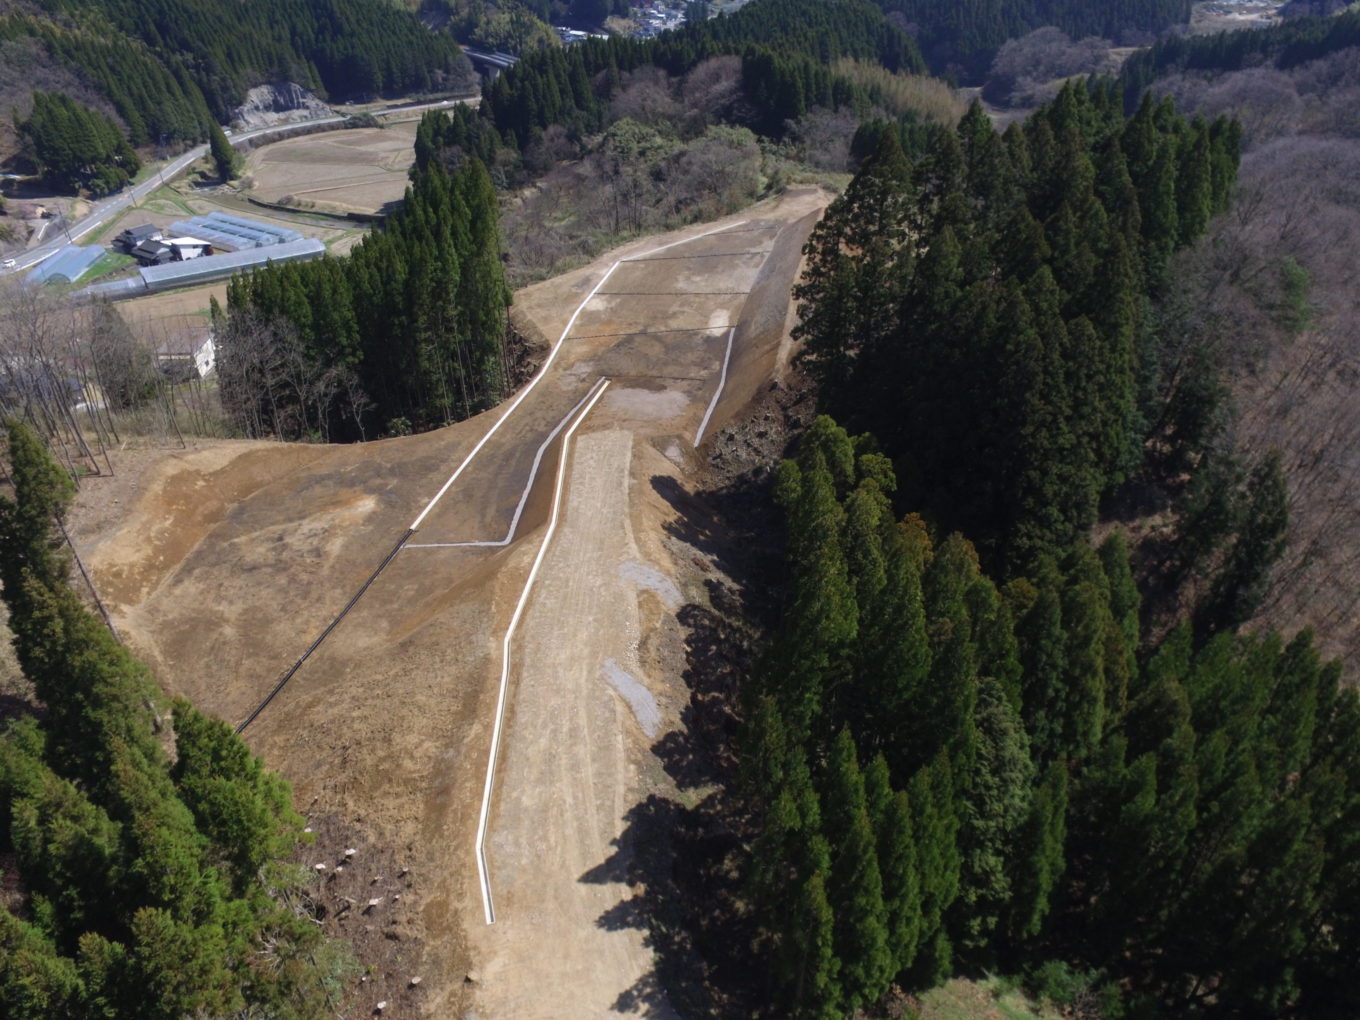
x=232, y=557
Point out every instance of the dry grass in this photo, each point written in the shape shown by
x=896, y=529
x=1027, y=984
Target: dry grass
x=928, y=98
x=359, y=170
x=174, y=310
x=988, y=999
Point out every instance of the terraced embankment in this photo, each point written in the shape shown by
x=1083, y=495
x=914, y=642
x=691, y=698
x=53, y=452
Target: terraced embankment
x=229, y=559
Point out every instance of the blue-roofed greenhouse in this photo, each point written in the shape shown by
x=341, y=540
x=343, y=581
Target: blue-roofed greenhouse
x=68, y=265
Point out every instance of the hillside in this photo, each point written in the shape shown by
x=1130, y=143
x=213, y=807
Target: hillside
x=387, y=727
x=1273, y=295
x=963, y=37
x=795, y=607
x=165, y=69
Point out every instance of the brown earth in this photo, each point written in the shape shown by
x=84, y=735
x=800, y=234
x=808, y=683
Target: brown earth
x=221, y=563
x=363, y=169
x=158, y=317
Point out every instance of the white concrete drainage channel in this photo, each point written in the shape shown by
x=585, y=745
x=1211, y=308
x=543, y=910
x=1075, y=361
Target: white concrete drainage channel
x=579, y=414
x=496, y=728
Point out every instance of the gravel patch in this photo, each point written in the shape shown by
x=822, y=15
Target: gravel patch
x=654, y=581
x=640, y=700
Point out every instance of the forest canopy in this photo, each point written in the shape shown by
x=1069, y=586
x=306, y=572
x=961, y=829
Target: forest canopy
x=148, y=844
x=75, y=147
x=788, y=50
x=408, y=331
x=169, y=67
x=984, y=312
x=952, y=775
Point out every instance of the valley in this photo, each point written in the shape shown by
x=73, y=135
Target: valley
x=231, y=557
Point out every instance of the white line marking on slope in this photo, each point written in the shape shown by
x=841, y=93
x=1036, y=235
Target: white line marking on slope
x=643, y=256
x=543, y=370
x=722, y=381
x=505, y=659
x=524, y=496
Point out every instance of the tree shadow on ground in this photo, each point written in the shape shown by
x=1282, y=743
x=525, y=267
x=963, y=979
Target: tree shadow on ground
x=18, y=706
x=681, y=856
x=682, y=864
x=740, y=530
x=717, y=642
x=694, y=523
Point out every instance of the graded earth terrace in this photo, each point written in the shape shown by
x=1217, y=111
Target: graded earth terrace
x=231, y=557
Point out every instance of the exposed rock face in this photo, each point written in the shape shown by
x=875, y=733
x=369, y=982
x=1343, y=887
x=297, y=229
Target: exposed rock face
x=279, y=103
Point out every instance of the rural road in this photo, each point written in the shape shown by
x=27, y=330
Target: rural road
x=108, y=208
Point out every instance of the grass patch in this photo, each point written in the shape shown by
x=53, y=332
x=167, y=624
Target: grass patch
x=992, y=998
x=343, y=237
x=796, y=175
x=111, y=262
x=167, y=200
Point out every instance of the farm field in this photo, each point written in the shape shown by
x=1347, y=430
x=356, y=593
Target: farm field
x=157, y=316
x=153, y=315
x=179, y=201
x=360, y=170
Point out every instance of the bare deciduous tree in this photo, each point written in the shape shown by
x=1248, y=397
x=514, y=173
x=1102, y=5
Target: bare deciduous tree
x=40, y=378
x=1027, y=71
x=269, y=387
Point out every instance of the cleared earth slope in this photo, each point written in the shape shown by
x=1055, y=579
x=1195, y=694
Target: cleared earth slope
x=222, y=563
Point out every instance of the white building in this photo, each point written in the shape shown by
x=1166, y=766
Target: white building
x=186, y=248
x=191, y=354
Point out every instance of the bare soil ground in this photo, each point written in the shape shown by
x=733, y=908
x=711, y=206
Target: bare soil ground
x=173, y=307
x=362, y=170
x=221, y=563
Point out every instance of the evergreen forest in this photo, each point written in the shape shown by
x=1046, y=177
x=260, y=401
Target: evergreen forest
x=169, y=68
x=991, y=329
x=963, y=36
x=144, y=845
x=407, y=332
x=954, y=775
x=1286, y=45
x=788, y=51
x=964, y=752
x=76, y=147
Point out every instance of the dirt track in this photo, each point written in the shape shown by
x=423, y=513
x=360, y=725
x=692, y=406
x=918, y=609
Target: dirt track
x=232, y=557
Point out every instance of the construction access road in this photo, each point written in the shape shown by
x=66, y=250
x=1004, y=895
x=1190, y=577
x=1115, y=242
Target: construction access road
x=220, y=565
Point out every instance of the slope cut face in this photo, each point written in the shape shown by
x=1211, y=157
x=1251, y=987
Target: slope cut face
x=225, y=562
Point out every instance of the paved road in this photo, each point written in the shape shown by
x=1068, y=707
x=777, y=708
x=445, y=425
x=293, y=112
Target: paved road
x=110, y=207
